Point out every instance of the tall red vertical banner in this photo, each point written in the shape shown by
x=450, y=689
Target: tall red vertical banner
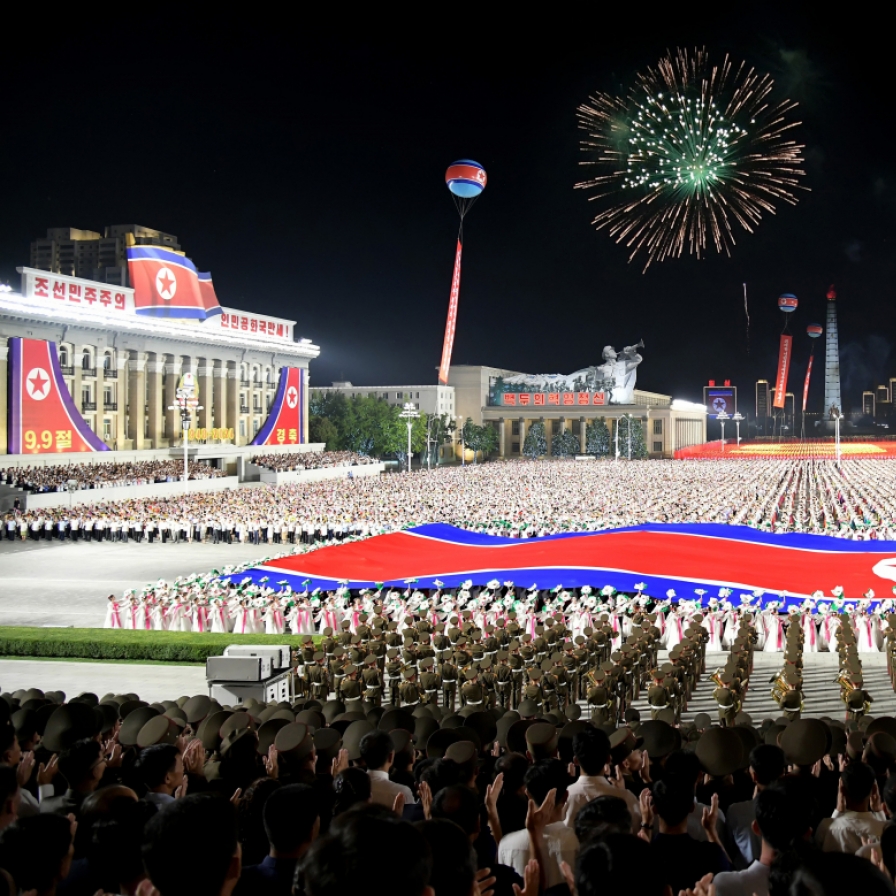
x=783, y=370
x=448, y=344
x=43, y=418
x=806, y=384
x=285, y=424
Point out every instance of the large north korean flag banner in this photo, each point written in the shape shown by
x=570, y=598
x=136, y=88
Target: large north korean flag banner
x=285, y=423
x=168, y=285
x=43, y=418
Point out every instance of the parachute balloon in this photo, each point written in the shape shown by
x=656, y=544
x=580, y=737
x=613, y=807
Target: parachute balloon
x=814, y=330
x=465, y=178
x=788, y=302
x=466, y=181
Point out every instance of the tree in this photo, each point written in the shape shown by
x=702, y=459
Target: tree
x=638, y=446
x=565, y=444
x=323, y=429
x=536, y=444
x=597, y=438
x=482, y=439
x=439, y=429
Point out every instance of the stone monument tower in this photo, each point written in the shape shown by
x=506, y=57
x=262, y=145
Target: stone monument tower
x=831, y=362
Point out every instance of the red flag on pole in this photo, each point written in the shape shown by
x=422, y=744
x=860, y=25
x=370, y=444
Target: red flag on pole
x=448, y=344
x=806, y=384
x=783, y=370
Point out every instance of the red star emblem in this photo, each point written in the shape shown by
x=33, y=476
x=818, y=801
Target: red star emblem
x=165, y=281
x=38, y=383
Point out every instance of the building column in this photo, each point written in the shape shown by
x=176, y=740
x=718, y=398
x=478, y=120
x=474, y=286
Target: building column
x=4, y=410
x=154, y=372
x=99, y=395
x=77, y=351
x=136, y=399
x=172, y=418
x=306, y=438
x=119, y=431
x=220, y=395
x=582, y=432
x=205, y=380
x=522, y=421
x=502, y=437
x=233, y=401
x=548, y=434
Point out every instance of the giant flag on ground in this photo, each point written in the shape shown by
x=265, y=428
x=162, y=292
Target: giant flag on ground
x=285, y=424
x=652, y=558
x=43, y=418
x=167, y=284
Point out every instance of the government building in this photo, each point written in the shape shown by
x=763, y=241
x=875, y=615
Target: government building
x=122, y=366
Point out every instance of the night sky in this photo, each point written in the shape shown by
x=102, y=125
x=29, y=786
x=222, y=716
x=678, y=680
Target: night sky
x=304, y=167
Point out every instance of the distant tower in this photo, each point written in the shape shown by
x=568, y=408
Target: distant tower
x=831, y=360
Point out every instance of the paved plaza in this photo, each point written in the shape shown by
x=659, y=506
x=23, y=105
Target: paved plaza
x=51, y=583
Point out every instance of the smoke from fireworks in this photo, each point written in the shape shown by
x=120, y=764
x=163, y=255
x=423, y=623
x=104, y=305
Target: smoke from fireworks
x=693, y=148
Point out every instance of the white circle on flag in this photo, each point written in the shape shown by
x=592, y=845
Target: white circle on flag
x=38, y=383
x=292, y=396
x=166, y=283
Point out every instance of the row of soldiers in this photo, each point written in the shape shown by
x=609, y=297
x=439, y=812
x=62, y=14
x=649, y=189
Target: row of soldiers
x=458, y=663
x=856, y=700
x=787, y=685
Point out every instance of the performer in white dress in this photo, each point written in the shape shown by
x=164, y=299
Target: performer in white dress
x=113, y=613
x=774, y=629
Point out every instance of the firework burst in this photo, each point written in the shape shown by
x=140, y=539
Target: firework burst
x=688, y=151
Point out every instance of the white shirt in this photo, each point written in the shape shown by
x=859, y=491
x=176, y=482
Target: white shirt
x=589, y=787
x=384, y=791
x=846, y=831
x=750, y=881
x=559, y=845
x=746, y=844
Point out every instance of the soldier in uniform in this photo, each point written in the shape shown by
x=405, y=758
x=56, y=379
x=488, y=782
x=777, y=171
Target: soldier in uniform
x=600, y=698
x=350, y=689
x=449, y=675
x=429, y=681
x=471, y=692
x=727, y=697
x=317, y=682
x=532, y=689
x=503, y=680
x=408, y=690
x=393, y=675
x=658, y=697
x=372, y=680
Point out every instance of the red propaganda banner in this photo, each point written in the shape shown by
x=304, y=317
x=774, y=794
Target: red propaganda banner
x=783, y=370
x=806, y=384
x=285, y=423
x=563, y=399
x=448, y=344
x=43, y=418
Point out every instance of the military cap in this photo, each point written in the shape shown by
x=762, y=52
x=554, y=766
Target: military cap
x=838, y=742
x=294, y=740
x=541, y=740
x=528, y=708
x=327, y=743
x=331, y=709
x=131, y=726
x=484, y=724
x=743, y=718
x=25, y=723
x=855, y=744
x=397, y=718
x=516, y=735
x=773, y=733
x=720, y=752
x=565, y=738
x=805, y=741
x=210, y=729
x=439, y=741
x=702, y=720
x=660, y=738
x=236, y=721
x=197, y=708
x=402, y=740
x=623, y=743
x=126, y=708
x=882, y=723
x=245, y=737
x=353, y=735
x=311, y=717
x=882, y=746
x=158, y=730
x=463, y=752
x=267, y=734
x=108, y=713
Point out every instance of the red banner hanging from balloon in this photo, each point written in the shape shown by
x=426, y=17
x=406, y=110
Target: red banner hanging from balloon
x=806, y=384
x=448, y=344
x=783, y=370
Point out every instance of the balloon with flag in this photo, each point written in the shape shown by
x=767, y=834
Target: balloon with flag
x=465, y=180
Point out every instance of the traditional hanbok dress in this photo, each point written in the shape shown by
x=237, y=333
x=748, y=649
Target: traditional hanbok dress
x=810, y=633
x=273, y=620
x=113, y=615
x=242, y=620
x=866, y=633
x=774, y=632
x=200, y=618
x=218, y=614
x=674, y=629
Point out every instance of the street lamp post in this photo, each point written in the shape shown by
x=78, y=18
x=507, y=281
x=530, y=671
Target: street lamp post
x=722, y=416
x=409, y=415
x=629, y=427
x=185, y=405
x=737, y=418
x=836, y=416
x=463, y=446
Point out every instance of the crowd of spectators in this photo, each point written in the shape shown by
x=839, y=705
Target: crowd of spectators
x=78, y=477
x=189, y=797
x=312, y=460
x=517, y=499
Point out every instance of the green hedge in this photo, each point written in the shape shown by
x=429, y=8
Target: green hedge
x=119, y=644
